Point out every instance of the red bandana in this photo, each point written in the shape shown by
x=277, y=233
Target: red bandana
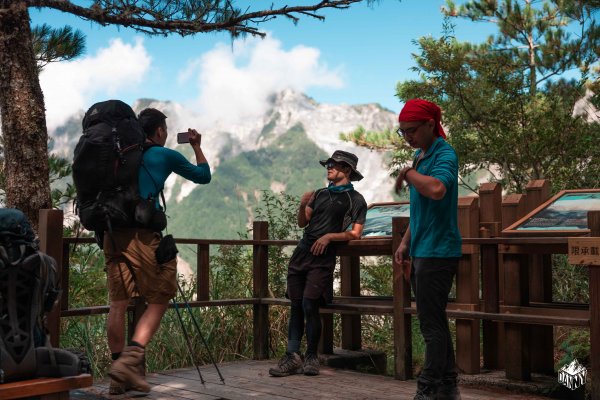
x=422, y=110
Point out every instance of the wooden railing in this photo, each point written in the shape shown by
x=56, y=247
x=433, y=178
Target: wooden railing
x=512, y=304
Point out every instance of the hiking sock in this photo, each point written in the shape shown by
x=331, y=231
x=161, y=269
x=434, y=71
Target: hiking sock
x=134, y=343
x=313, y=324
x=295, y=327
x=114, y=356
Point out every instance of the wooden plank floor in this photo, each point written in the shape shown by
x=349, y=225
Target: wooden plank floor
x=250, y=380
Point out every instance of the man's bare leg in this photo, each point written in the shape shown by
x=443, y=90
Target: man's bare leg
x=149, y=323
x=116, y=325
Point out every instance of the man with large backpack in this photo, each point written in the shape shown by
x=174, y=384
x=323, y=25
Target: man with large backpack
x=131, y=259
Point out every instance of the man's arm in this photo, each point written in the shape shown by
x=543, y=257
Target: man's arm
x=320, y=245
x=199, y=173
x=402, y=254
x=195, y=143
x=426, y=185
x=304, y=211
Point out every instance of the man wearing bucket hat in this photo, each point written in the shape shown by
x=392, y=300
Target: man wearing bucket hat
x=432, y=241
x=326, y=215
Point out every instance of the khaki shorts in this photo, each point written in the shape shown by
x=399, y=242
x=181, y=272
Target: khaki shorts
x=156, y=283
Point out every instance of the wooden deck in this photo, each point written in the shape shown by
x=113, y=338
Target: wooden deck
x=250, y=380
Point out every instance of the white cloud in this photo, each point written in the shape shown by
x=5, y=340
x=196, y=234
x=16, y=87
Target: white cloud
x=70, y=86
x=236, y=81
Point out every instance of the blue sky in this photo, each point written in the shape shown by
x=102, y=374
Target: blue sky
x=355, y=56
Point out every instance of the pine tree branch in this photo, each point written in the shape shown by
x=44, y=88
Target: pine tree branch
x=184, y=19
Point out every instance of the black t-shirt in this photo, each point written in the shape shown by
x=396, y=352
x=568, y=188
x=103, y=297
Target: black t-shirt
x=333, y=212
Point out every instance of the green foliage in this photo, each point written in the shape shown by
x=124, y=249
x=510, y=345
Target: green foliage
x=570, y=285
x=280, y=211
x=227, y=204
x=60, y=168
x=539, y=39
x=388, y=140
x=569, y=282
x=52, y=45
x=505, y=109
x=574, y=344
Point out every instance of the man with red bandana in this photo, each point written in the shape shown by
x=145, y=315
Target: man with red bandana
x=432, y=241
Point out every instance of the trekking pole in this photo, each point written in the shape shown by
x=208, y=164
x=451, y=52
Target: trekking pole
x=187, y=339
x=187, y=305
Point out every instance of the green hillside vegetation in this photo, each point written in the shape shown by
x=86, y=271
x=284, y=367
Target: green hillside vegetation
x=224, y=207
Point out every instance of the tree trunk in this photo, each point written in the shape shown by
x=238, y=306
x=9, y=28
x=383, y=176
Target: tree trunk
x=23, y=115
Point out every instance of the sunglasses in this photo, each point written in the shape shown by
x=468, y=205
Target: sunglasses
x=333, y=164
x=409, y=131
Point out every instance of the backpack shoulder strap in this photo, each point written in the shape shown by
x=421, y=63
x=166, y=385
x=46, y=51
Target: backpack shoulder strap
x=145, y=147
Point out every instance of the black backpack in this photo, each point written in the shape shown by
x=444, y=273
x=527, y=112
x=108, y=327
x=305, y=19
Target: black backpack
x=28, y=290
x=106, y=164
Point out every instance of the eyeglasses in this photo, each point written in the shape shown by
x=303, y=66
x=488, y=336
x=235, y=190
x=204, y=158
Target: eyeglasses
x=409, y=131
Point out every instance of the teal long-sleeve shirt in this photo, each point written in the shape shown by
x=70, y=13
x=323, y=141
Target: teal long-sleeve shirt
x=160, y=162
x=434, y=223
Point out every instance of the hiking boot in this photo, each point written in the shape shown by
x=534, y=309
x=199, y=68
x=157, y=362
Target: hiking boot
x=126, y=369
x=311, y=364
x=116, y=388
x=448, y=391
x=289, y=364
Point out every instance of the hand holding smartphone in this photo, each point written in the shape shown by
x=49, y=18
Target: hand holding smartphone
x=184, y=137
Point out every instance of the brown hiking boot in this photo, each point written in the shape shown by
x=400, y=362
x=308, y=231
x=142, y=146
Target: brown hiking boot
x=125, y=370
x=311, y=364
x=116, y=388
x=289, y=364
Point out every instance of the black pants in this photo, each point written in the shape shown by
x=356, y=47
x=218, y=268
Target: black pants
x=304, y=309
x=431, y=280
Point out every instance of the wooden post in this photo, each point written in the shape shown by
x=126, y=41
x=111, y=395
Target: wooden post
x=540, y=287
x=491, y=302
x=514, y=291
x=260, y=289
x=350, y=286
x=51, y=242
x=203, y=275
x=467, y=288
x=518, y=359
x=513, y=208
x=402, y=321
x=593, y=218
x=490, y=208
x=490, y=221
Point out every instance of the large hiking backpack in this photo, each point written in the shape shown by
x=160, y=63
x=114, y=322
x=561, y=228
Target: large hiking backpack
x=105, y=166
x=28, y=290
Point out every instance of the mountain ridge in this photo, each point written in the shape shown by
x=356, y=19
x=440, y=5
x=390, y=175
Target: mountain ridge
x=293, y=125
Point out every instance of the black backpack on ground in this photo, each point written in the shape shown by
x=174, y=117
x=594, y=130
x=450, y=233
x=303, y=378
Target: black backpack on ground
x=106, y=164
x=28, y=290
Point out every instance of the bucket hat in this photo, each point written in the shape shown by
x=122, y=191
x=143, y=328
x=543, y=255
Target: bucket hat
x=347, y=158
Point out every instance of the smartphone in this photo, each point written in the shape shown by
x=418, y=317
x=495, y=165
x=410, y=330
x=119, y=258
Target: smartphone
x=183, y=137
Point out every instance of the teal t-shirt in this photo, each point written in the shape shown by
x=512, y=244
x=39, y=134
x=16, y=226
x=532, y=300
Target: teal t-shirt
x=160, y=162
x=433, y=223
